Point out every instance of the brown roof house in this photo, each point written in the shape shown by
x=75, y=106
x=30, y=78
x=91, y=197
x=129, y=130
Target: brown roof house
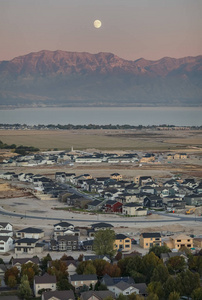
x=46, y=282
x=58, y=295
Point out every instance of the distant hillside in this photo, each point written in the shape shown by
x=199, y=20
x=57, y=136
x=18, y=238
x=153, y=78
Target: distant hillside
x=60, y=78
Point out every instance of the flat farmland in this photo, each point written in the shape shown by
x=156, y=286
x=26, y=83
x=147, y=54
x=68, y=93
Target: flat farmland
x=146, y=140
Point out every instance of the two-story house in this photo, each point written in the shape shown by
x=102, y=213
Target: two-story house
x=45, y=282
x=150, y=239
x=122, y=242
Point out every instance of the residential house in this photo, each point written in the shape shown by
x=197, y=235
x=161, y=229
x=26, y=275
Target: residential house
x=27, y=245
x=142, y=180
x=113, y=206
x=18, y=262
x=68, y=243
x=63, y=226
x=98, y=226
x=131, y=209
x=6, y=243
x=178, y=241
x=166, y=256
x=6, y=229
x=116, y=176
x=150, y=239
x=148, y=157
x=78, y=281
x=87, y=245
x=58, y=295
x=193, y=199
x=148, y=190
x=46, y=282
x=78, y=201
x=93, y=257
x=111, y=281
x=95, y=205
x=125, y=288
x=97, y=295
x=153, y=201
x=30, y=232
x=122, y=242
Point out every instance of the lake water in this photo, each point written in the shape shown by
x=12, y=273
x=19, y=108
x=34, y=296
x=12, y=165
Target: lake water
x=191, y=116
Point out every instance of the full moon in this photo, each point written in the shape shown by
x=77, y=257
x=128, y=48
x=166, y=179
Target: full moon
x=97, y=24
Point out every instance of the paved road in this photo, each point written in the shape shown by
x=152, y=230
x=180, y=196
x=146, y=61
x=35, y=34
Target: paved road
x=172, y=218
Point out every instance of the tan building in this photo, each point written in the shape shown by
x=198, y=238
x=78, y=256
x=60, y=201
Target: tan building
x=150, y=239
x=133, y=209
x=122, y=242
x=46, y=282
x=147, y=158
x=116, y=176
x=176, y=242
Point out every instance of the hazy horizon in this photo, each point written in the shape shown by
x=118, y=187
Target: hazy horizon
x=131, y=29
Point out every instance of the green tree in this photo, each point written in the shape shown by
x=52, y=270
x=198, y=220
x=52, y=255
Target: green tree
x=152, y=296
x=155, y=287
x=157, y=250
x=121, y=297
x=170, y=286
x=160, y=274
x=150, y=262
x=64, y=284
x=197, y=294
x=104, y=242
x=86, y=267
x=188, y=282
x=174, y=296
x=195, y=264
x=44, y=262
x=176, y=264
x=24, y=289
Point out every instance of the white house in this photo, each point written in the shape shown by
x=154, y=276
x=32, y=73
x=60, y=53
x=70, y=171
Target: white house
x=6, y=244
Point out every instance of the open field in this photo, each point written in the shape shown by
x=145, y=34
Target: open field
x=146, y=140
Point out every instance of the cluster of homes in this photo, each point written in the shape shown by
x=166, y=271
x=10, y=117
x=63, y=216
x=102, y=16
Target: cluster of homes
x=70, y=157
x=48, y=283
x=113, y=194
x=67, y=239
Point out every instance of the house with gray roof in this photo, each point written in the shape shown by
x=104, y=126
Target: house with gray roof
x=30, y=232
x=18, y=262
x=78, y=281
x=58, y=295
x=128, y=289
x=46, y=282
x=96, y=295
x=27, y=245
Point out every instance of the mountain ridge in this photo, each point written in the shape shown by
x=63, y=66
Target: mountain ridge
x=81, y=78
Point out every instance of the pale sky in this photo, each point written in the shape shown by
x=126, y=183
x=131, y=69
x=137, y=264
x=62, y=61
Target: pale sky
x=130, y=29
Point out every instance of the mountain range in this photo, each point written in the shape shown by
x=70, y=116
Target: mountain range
x=61, y=78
